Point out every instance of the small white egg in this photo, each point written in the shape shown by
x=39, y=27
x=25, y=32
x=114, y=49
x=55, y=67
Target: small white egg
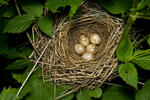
x=92, y=48
x=87, y=56
x=84, y=40
x=95, y=39
x=79, y=49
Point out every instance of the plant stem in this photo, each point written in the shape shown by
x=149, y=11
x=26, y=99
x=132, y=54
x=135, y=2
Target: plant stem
x=130, y=20
x=18, y=10
x=143, y=17
x=128, y=26
x=146, y=52
x=142, y=40
x=134, y=3
x=142, y=55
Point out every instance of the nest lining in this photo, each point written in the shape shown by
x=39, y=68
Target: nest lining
x=60, y=63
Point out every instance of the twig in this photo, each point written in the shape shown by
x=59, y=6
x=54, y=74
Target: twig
x=45, y=63
x=63, y=95
x=18, y=10
x=112, y=84
x=141, y=83
x=32, y=43
x=72, y=90
x=40, y=62
x=33, y=68
x=142, y=40
x=55, y=91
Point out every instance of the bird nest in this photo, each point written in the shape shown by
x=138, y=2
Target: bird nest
x=62, y=65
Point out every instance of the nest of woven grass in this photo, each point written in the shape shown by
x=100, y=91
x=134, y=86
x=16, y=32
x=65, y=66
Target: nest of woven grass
x=62, y=65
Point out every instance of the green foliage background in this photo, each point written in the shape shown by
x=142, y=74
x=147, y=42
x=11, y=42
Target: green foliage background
x=17, y=17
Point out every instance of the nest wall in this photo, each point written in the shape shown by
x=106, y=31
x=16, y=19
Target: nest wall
x=60, y=63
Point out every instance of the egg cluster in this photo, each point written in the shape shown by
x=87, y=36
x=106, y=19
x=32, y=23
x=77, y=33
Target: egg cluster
x=87, y=46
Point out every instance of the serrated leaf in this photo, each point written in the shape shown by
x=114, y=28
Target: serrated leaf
x=143, y=62
x=32, y=7
x=117, y=93
x=9, y=94
x=129, y=74
x=116, y=6
x=125, y=49
x=36, y=89
x=144, y=93
x=18, y=64
x=148, y=41
x=88, y=94
x=40, y=91
x=19, y=23
x=3, y=2
x=142, y=4
x=53, y=5
x=45, y=25
x=35, y=86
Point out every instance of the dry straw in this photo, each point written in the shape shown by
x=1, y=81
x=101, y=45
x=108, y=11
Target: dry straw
x=61, y=65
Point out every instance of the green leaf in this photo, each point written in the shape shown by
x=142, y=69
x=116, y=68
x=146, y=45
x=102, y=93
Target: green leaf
x=45, y=25
x=35, y=86
x=139, y=52
x=36, y=89
x=20, y=77
x=60, y=89
x=148, y=41
x=32, y=7
x=88, y=94
x=143, y=62
x=19, y=23
x=17, y=52
x=53, y=5
x=10, y=12
x=3, y=2
x=129, y=74
x=117, y=93
x=9, y=94
x=3, y=22
x=18, y=64
x=39, y=91
x=143, y=4
x=116, y=6
x=125, y=49
x=144, y=93
x=143, y=13
x=3, y=44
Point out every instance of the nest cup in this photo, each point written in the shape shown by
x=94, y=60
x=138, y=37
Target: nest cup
x=62, y=65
